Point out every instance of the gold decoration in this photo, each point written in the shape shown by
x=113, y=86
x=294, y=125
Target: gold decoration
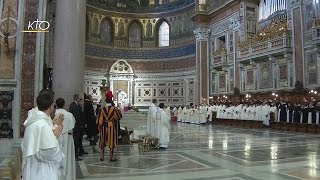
x=219, y=52
x=276, y=29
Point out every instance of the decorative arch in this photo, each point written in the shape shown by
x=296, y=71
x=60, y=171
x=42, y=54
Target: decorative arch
x=121, y=67
x=106, y=31
x=135, y=32
x=157, y=27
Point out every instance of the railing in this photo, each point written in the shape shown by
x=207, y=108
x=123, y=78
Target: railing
x=265, y=47
x=221, y=57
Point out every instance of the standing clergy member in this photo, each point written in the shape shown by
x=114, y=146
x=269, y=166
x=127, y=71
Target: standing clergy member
x=41, y=154
x=164, y=124
x=151, y=120
x=108, y=122
x=68, y=166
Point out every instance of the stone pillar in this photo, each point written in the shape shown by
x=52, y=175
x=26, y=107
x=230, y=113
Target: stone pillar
x=69, y=49
x=202, y=65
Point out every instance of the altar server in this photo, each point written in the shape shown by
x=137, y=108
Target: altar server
x=151, y=119
x=164, y=127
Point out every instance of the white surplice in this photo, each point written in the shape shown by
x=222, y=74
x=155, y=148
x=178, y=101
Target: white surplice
x=179, y=118
x=41, y=153
x=175, y=111
x=151, y=120
x=274, y=109
x=265, y=112
x=163, y=127
x=68, y=166
x=203, y=114
x=168, y=112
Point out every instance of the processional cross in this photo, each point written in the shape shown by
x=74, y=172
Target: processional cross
x=6, y=32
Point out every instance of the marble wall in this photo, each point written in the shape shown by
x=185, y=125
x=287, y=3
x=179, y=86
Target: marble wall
x=170, y=89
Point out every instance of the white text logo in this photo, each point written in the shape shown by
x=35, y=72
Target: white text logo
x=38, y=26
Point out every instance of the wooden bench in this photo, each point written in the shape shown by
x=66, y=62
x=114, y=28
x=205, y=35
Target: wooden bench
x=295, y=127
x=249, y=124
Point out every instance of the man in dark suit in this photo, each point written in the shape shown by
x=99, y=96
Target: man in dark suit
x=75, y=109
x=90, y=117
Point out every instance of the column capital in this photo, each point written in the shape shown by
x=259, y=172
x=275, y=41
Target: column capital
x=202, y=33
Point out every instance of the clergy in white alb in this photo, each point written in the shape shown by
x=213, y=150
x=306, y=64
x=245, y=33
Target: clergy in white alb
x=179, y=114
x=67, y=166
x=175, y=112
x=168, y=111
x=203, y=114
x=151, y=119
x=164, y=127
x=41, y=154
x=265, y=112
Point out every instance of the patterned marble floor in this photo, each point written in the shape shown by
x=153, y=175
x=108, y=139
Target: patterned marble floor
x=207, y=152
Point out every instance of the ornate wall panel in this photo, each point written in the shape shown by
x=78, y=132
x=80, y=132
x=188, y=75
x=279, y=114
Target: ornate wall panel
x=312, y=68
x=308, y=21
x=167, y=92
x=92, y=83
x=222, y=83
x=249, y=78
x=190, y=91
x=266, y=75
x=283, y=72
x=6, y=130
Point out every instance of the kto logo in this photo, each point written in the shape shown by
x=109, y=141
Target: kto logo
x=38, y=26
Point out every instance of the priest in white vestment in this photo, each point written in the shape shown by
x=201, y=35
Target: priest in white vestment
x=41, y=154
x=68, y=166
x=265, y=112
x=151, y=119
x=203, y=114
x=244, y=113
x=168, y=111
x=274, y=109
x=175, y=113
x=163, y=127
x=258, y=109
x=179, y=116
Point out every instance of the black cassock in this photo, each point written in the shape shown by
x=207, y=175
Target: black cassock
x=283, y=112
x=318, y=110
x=296, y=114
x=290, y=113
x=92, y=128
x=305, y=112
x=313, y=114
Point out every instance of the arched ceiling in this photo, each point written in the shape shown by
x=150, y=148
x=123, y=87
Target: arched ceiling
x=141, y=6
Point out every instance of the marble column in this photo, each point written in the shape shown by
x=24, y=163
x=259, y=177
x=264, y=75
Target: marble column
x=69, y=49
x=202, y=65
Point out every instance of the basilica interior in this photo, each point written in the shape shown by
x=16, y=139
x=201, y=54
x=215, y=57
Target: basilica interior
x=179, y=52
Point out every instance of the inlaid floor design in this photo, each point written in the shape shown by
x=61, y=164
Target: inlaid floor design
x=207, y=152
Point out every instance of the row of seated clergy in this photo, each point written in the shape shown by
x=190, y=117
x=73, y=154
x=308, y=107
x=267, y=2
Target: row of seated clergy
x=195, y=115
x=297, y=114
